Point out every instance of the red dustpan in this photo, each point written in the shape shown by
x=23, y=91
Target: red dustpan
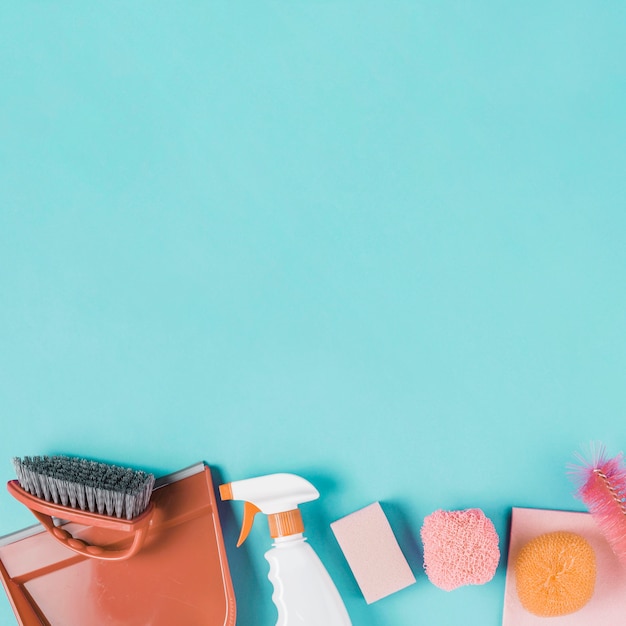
x=179, y=576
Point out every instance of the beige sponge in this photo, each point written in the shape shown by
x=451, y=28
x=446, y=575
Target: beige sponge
x=373, y=553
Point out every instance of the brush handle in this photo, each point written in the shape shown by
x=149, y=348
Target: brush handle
x=44, y=512
x=81, y=547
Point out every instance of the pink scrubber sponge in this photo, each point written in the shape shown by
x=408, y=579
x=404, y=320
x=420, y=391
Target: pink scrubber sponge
x=460, y=548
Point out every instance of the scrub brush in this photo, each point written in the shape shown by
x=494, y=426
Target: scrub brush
x=86, y=485
x=602, y=487
x=86, y=492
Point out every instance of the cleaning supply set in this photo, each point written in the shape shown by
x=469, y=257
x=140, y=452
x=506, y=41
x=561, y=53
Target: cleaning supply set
x=117, y=536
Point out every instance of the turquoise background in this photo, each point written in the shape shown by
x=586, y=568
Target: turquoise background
x=377, y=244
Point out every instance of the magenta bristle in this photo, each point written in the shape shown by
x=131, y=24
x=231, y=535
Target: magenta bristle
x=602, y=487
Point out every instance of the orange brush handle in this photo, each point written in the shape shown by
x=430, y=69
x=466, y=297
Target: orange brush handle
x=44, y=511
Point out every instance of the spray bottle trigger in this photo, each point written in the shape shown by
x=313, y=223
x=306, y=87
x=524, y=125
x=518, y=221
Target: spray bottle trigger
x=249, y=511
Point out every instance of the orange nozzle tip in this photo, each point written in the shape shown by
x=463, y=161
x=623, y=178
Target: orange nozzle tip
x=226, y=492
x=249, y=511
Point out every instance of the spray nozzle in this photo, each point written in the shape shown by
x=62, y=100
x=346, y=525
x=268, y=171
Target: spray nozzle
x=275, y=495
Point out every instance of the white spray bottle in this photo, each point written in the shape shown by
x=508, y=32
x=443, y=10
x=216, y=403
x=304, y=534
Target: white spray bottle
x=304, y=593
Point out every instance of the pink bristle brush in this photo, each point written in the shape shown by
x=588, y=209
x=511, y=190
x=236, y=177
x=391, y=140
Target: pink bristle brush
x=602, y=487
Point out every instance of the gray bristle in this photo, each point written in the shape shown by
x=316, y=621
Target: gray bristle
x=86, y=485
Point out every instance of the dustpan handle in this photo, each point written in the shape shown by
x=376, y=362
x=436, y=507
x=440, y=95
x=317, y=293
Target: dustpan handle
x=92, y=551
x=20, y=600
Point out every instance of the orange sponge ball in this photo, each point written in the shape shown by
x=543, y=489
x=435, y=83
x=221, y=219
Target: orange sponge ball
x=555, y=574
